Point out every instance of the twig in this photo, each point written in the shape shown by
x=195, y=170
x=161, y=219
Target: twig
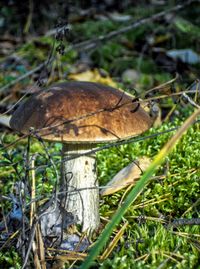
x=29, y=18
x=37, y=244
x=32, y=235
x=33, y=213
x=90, y=44
x=191, y=207
x=123, y=142
x=162, y=86
x=107, y=146
x=36, y=132
x=164, y=263
x=22, y=196
x=190, y=100
x=33, y=205
x=29, y=73
x=183, y=222
x=33, y=230
x=5, y=120
x=40, y=246
x=14, y=105
x=113, y=243
x=3, y=213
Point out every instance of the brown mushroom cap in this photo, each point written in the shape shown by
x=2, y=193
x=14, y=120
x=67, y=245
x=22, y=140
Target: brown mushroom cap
x=81, y=112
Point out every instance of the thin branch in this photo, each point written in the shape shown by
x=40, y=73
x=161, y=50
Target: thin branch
x=77, y=118
x=117, y=144
x=29, y=73
x=90, y=44
x=183, y=222
x=190, y=100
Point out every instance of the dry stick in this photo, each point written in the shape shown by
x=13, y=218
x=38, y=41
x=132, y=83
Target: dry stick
x=163, y=264
x=163, y=86
x=190, y=100
x=113, y=243
x=34, y=226
x=3, y=213
x=102, y=240
x=186, y=97
x=89, y=44
x=22, y=196
x=29, y=18
x=33, y=205
x=111, y=145
x=123, y=142
x=101, y=110
x=98, y=111
x=9, y=239
x=32, y=213
x=118, y=105
x=32, y=235
x=92, y=43
x=43, y=65
x=191, y=207
x=107, y=146
x=182, y=222
x=29, y=73
x=41, y=248
x=38, y=245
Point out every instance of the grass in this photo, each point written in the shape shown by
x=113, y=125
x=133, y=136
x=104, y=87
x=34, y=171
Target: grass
x=172, y=192
x=136, y=191
x=146, y=242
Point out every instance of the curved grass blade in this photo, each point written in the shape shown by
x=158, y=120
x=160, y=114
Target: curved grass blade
x=137, y=190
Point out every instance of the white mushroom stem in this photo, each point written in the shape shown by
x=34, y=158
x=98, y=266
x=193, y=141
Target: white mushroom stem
x=80, y=178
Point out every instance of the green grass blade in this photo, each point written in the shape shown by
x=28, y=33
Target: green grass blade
x=136, y=191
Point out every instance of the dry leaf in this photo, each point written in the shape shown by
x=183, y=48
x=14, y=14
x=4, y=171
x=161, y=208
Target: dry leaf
x=128, y=175
x=93, y=76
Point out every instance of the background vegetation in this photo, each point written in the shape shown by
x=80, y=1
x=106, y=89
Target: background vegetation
x=43, y=42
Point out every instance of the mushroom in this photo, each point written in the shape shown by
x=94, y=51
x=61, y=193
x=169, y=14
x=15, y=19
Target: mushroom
x=81, y=115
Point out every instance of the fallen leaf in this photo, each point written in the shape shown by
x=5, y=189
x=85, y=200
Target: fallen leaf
x=94, y=75
x=185, y=55
x=128, y=175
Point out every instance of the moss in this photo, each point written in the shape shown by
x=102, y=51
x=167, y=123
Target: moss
x=174, y=193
